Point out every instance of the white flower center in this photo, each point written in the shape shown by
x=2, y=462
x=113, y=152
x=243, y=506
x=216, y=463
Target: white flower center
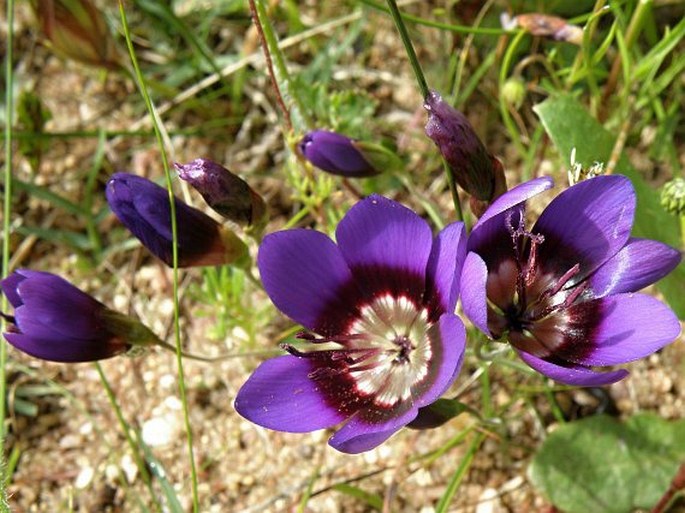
x=394, y=332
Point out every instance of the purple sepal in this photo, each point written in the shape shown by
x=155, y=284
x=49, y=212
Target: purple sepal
x=335, y=154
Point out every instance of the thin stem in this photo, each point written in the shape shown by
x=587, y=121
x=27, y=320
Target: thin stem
x=220, y=357
x=269, y=64
x=7, y=206
x=404, y=35
x=279, y=74
x=174, y=234
x=140, y=463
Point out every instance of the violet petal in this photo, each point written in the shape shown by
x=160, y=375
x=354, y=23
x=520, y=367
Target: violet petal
x=280, y=395
x=444, y=266
x=65, y=350
x=474, y=300
x=303, y=272
x=452, y=335
x=586, y=224
x=357, y=435
x=630, y=326
x=638, y=264
x=572, y=374
x=378, y=233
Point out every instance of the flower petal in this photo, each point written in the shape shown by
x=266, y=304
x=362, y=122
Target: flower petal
x=490, y=236
x=473, y=292
x=64, y=350
x=638, y=264
x=452, y=342
x=358, y=435
x=571, y=374
x=303, y=272
x=53, y=305
x=379, y=235
x=515, y=196
x=586, y=224
x=621, y=328
x=280, y=395
x=9, y=286
x=444, y=267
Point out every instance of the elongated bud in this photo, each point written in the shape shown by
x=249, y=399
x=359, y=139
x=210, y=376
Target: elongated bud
x=544, y=25
x=673, y=196
x=143, y=207
x=470, y=163
x=337, y=154
x=55, y=321
x=77, y=30
x=226, y=193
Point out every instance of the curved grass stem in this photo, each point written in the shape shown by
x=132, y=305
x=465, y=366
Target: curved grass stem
x=174, y=232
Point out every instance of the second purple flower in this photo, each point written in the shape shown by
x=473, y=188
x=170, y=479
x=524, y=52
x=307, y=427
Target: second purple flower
x=382, y=338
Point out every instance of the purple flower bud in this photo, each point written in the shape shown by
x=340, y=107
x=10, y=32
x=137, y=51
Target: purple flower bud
x=335, y=154
x=472, y=166
x=143, y=207
x=55, y=321
x=225, y=192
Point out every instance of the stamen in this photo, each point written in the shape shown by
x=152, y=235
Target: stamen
x=559, y=284
x=8, y=318
x=526, y=270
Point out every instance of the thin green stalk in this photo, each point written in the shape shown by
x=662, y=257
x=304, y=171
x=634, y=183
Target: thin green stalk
x=504, y=112
x=459, y=474
x=7, y=206
x=294, y=112
x=409, y=48
x=145, y=475
x=174, y=234
x=423, y=87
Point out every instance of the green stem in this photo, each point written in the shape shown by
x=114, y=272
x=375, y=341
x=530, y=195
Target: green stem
x=459, y=473
x=504, y=112
x=296, y=115
x=406, y=41
x=174, y=235
x=140, y=463
x=7, y=203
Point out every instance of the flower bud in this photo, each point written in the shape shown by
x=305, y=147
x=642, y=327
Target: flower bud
x=55, y=321
x=537, y=24
x=673, y=196
x=513, y=92
x=143, y=207
x=336, y=154
x=225, y=192
x=77, y=30
x=470, y=163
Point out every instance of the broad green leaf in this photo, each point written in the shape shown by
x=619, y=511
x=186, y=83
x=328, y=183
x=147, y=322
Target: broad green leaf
x=602, y=464
x=570, y=126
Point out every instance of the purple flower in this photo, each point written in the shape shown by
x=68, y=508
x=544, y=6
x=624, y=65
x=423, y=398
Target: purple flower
x=143, y=207
x=335, y=154
x=383, y=339
x=226, y=193
x=472, y=166
x=563, y=293
x=55, y=321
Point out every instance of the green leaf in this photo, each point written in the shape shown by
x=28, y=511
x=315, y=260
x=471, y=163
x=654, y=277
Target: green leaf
x=371, y=499
x=570, y=126
x=601, y=464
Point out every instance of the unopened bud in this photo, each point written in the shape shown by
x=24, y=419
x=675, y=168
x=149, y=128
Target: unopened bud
x=673, y=196
x=143, y=207
x=55, y=321
x=226, y=193
x=77, y=30
x=513, y=92
x=544, y=25
x=470, y=163
x=337, y=154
